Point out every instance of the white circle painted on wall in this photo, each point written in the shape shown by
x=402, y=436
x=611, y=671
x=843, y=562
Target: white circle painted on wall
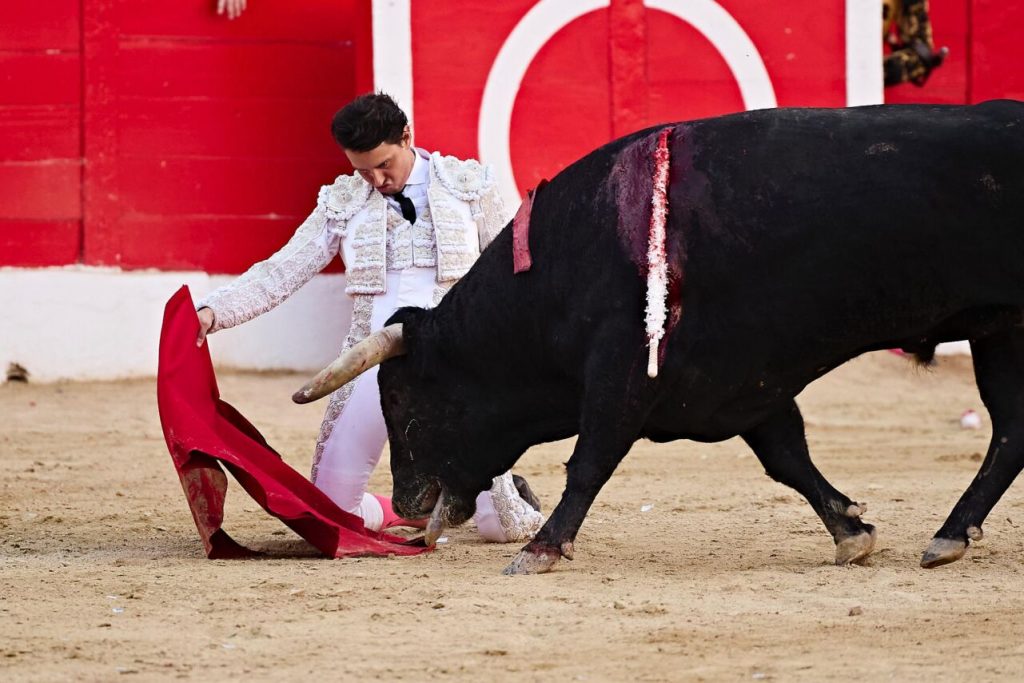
x=548, y=17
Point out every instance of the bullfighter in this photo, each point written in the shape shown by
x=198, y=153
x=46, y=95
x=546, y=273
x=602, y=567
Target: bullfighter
x=407, y=225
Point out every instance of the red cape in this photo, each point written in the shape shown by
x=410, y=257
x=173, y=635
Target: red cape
x=203, y=432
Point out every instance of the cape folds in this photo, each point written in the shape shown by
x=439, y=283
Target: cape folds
x=204, y=433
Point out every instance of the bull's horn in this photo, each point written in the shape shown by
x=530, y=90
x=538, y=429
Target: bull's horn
x=436, y=525
x=373, y=350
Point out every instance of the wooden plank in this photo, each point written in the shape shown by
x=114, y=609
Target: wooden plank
x=40, y=190
x=35, y=25
x=174, y=68
x=570, y=74
x=627, y=54
x=40, y=129
x=802, y=45
x=210, y=137
x=997, y=64
x=450, y=71
x=37, y=244
x=223, y=186
x=213, y=244
x=228, y=128
x=362, y=40
x=40, y=132
x=706, y=88
x=40, y=78
x=328, y=21
x=100, y=205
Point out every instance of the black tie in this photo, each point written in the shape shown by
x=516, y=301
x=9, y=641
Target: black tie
x=408, y=210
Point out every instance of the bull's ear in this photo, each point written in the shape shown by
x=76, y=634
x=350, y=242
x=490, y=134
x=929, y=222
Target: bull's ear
x=419, y=336
x=411, y=319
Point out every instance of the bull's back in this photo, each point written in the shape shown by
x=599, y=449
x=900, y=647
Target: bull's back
x=839, y=227
x=801, y=236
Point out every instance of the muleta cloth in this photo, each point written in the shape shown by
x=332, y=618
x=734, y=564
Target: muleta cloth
x=204, y=433
x=657, y=260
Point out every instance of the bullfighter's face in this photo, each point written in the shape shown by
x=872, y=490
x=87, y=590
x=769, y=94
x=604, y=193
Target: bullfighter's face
x=387, y=166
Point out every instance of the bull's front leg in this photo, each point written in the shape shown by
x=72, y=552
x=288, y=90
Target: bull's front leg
x=781, y=445
x=592, y=463
x=610, y=421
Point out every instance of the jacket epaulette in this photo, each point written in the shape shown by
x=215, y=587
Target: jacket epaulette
x=345, y=197
x=466, y=179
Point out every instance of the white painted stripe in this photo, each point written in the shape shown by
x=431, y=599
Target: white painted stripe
x=82, y=323
x=85, y=323
x=392, y=51
x=548, y=17
x=533, y=31
x=864, y=81
x=731, y=41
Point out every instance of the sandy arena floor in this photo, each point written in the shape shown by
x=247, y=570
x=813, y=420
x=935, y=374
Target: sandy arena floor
x=727, y=576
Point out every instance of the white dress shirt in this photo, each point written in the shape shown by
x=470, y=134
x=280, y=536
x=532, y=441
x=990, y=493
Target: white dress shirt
x=416, y=186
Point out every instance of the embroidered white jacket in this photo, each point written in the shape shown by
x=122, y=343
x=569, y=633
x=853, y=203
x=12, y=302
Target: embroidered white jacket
x=351, y=218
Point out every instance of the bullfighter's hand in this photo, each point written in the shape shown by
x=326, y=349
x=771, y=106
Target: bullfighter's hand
x=206, y=318
x=234, y=8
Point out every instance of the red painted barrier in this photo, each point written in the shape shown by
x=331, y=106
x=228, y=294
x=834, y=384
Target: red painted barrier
x=40, y=133
x=204, y=139
x=609, y=71
x=997, y=50
x=156, y=134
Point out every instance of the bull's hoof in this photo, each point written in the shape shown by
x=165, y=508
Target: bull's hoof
x=527, y=562
x=943, y=551
x=853, y=549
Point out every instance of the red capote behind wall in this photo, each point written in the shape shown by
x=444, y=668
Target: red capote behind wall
x=203, y=432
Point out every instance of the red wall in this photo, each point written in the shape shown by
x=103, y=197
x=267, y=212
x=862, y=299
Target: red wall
x=608, y=73
x=40, y=132
x=986, y=59
x=153, y=133
x=203, y=139
x=997, y=50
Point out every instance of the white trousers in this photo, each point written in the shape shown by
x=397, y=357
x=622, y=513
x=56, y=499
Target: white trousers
x=354, y=446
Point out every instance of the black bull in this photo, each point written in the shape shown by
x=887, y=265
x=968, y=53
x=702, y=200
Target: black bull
x=797, y=240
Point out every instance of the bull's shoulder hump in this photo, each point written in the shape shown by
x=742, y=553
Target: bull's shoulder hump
x=344, y=197
x=467, y=179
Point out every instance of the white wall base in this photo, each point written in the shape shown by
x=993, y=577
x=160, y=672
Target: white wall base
x=84, y=323
x=864, y=80
x=100, y=323
x=954, y=349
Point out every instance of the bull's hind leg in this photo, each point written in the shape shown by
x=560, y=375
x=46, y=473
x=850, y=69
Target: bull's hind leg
x=999, y=371
x=781, y=446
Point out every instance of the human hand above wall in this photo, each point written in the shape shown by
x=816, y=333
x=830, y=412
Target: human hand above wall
x=233, y=8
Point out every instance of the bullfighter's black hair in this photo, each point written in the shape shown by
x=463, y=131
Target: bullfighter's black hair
x=367, y=121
